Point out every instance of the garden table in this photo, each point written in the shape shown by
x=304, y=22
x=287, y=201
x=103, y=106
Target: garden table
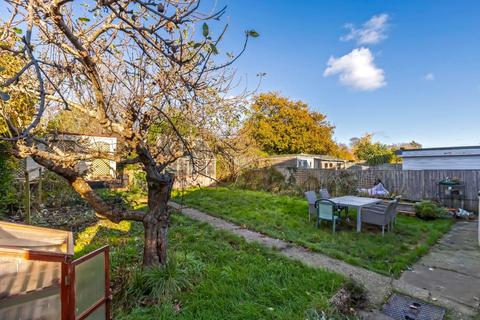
x=356, y=202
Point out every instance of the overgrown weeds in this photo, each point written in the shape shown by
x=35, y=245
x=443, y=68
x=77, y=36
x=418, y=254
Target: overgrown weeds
x=271, y=180
x=263, y=179
x=56, y=192
x=351, y=297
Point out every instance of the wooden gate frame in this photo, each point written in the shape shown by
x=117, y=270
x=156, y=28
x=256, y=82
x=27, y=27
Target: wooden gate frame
x=67, y=285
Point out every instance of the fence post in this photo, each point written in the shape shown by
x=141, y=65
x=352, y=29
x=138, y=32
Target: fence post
x=27, y=197
x=478, y=218
x=40, y=187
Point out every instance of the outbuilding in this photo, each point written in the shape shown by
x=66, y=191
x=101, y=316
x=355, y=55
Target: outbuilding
x=97, y=169
x=306, y=161
x=448, y=158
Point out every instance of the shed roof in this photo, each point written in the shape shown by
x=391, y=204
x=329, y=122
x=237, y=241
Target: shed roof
x=316, y=156
x=440, y=152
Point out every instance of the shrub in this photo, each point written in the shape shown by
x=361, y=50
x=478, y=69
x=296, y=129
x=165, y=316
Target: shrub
x=56, y=192
x=338, y=183
x=310, y=183
x=344, y=183
x=270, y=179
x=264, y=179
x=8, y=194
x=137, y=181
x=428, y=210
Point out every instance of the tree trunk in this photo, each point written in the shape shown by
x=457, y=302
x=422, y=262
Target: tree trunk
x=156, y=222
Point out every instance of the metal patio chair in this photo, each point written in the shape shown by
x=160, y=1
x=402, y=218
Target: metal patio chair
x=327, y=210
x=324, y=194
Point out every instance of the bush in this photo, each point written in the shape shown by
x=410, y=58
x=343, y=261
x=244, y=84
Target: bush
x=311, y=183
x=8, y=194
x=137, y=181
x=264, y=179
x=56, y=192
x=428, y=210
x=338, y=183
x=269, y=179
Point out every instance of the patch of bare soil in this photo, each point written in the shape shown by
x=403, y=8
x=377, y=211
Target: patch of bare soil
x=349, y=298
x=71, y=218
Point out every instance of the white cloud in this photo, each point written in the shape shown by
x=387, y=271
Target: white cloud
x=429, y=76
x=356, y=70
x=373, y=31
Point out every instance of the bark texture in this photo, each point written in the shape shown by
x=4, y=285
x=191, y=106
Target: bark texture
x=156, y=221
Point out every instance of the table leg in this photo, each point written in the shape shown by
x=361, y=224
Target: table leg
x=359, y=219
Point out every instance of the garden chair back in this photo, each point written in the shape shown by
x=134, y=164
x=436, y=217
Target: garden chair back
x=311, y=198
x=393, y=220
x=381, y=214
x=324, y=194
x=327, y=210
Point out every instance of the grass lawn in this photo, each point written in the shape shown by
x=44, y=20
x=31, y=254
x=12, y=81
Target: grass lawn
x=211, y=275
x=286, y=217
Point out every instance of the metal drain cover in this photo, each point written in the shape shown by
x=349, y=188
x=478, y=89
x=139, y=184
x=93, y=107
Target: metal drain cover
x=401, y=307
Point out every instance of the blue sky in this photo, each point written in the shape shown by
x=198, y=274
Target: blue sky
x=423, y=73
x=425, y=68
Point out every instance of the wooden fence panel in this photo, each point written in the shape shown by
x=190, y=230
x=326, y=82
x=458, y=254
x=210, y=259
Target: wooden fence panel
x=413, y=185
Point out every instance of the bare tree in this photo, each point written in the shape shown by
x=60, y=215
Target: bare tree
x=141, y=70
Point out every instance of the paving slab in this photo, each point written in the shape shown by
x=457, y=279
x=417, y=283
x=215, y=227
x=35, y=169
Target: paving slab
x=460, y=261
x=451, y=270
x=449, y=284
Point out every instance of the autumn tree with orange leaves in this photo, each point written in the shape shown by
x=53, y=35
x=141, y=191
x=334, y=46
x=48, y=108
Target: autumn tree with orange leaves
x=283, y=126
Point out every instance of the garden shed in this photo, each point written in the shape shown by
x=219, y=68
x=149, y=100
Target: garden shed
x=448, y=158
x=39, y=279
x=306, y=161
x=97, y=169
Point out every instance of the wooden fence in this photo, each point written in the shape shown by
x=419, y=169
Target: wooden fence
x=411, y=184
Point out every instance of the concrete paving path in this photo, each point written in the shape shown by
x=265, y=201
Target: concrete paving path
x=436, y=289
x=451, y=270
